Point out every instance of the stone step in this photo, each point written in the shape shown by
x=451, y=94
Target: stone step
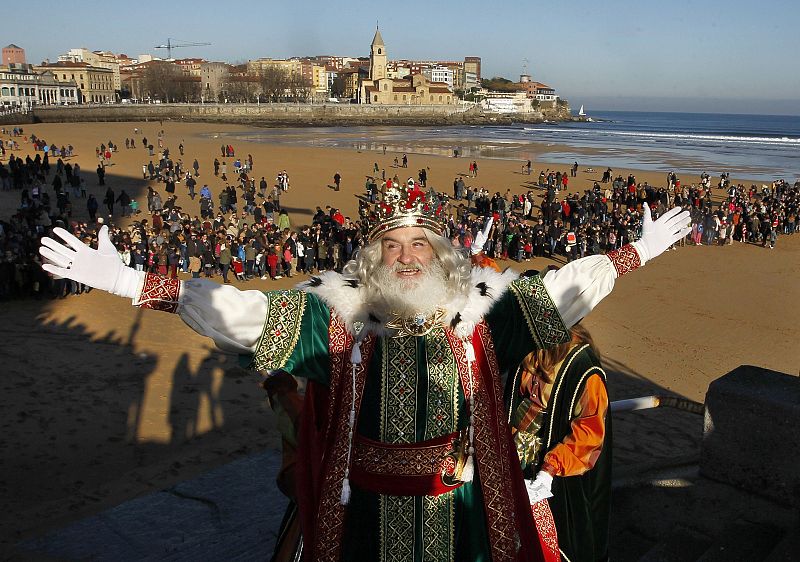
x=680, y=545
x=788, y=550
x=628, y=545
x=743, y=541
x=231, y=513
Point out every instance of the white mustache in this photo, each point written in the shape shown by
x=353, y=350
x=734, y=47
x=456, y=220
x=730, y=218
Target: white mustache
x=400, y=267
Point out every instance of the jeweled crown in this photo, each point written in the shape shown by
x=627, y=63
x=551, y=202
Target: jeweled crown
x=407, y=205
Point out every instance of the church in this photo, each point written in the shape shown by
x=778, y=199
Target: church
x=411, y=90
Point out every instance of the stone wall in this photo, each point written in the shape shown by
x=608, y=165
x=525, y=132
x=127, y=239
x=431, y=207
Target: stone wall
x=317, y=115
x=751, y=438
x=16, y=118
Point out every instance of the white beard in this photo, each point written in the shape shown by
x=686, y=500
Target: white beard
x=409, y=296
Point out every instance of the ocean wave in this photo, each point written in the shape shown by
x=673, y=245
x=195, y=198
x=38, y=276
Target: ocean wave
x=711, y=138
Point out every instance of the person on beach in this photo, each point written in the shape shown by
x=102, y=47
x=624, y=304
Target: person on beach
x=405, y=353
x=337, y=180
x=109, y=200
x=91, y=207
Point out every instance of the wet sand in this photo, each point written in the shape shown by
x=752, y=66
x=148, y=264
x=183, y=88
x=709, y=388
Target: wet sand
x=103, y=402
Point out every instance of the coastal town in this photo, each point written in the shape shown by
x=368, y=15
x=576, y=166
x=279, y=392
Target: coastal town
x=83, y=77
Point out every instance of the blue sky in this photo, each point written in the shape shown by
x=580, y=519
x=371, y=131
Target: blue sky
x=681, y=55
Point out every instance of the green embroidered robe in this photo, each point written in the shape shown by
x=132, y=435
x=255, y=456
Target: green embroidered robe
x=412, y=393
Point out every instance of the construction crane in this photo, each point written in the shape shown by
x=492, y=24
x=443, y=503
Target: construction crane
x=170, y=45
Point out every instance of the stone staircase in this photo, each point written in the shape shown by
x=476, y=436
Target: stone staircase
x=719, y=488
x=688, y=518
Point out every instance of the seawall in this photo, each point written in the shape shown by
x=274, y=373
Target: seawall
x=293, y=115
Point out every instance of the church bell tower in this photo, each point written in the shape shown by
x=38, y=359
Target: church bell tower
x=377, y=57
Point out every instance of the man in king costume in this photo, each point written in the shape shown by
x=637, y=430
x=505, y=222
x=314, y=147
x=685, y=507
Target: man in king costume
x=404, y=451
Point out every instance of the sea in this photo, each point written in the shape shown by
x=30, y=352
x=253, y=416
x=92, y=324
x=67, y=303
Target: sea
x=755, y=147
x=763, y=147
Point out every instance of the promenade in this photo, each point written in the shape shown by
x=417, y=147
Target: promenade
x=660, y=505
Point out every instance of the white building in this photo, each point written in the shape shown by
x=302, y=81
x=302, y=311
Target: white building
x=507, y=102
x=21, y=87
x=439, y=74
x=471, y=80
x=545, y=92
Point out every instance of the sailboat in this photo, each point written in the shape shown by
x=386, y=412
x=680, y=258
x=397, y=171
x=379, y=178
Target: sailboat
x=582, y=116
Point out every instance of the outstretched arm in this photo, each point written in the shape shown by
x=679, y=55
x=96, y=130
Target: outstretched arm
x=580, y=285
x=234, y=319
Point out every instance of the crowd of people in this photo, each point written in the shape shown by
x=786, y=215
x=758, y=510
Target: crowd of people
x=551, y=223
x=248, y=236
x=244, y=233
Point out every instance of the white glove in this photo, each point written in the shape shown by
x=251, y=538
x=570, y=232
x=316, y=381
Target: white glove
x=481, y=237
x=659, y=235
x=102, y=268
x=539, y=488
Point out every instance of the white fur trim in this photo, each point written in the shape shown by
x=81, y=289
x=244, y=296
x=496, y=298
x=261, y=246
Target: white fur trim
x=347, y=301
x=474, y=306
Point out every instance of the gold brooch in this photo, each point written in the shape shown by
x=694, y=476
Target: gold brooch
x=417, y=325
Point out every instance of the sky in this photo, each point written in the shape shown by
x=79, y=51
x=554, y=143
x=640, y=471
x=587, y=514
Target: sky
x=733, y=56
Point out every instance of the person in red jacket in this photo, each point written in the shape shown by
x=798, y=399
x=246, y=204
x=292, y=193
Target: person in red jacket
x=272, y=263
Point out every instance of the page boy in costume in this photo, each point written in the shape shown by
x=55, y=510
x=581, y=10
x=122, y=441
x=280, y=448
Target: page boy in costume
x=558, y=413
x=404, y=450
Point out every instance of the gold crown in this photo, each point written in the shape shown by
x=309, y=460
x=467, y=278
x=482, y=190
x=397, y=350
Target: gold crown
x=407, y=206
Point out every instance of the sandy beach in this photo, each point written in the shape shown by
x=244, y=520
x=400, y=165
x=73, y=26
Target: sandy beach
x=102, y=402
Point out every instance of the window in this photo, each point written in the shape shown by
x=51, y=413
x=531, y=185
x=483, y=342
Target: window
x=379, y=50
x=385, y=87
x=440, y=98
x=404, y=97
x=376, y=98
x=4, y=92
x=395, y=97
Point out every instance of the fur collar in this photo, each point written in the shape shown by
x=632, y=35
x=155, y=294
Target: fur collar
x=345, y=296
